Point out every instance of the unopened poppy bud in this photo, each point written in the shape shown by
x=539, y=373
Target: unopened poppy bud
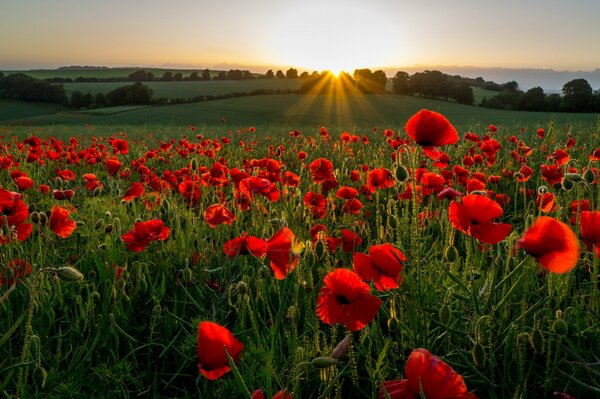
x=445, y=313
x=99, y=223
x=39, y=377
x=589, y=176
x=35, y=217
x=393, y=324
x=320, y=249
x=242, y=287
x=109, y=228
x=401, y=173
x=138, y=220
x=69, y=274
x=108, y=214
x=575, y=177
x=43, y=218
x=451, y=253
x=96, y=295
x=194, y=164
x=479, y=355
x=80, y=223
x=97, y=191
x=275, y=222
x=393, y=222
x=560, y=327
x=567, y=184
x=102, y=247
x=323, y=362
x=536, y=339
x=342, y=348
x=31, y=208
x=542, y=190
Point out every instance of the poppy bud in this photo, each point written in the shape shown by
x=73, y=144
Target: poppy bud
x=80, y=223
x=194, y=164
x=589, y=176
x=536, y=339
x=39, y=377
x=97, y=191
x=479, y=356
x=445, y=313
x=542, y=190
x=323, y=362
x=31, y=208
x=393, y=325
x=102, y=247
x=43, y=218
x=393, y=222
x=35, y=217
x=68, y=274
x=109, y=228
x=96, y=295
x=567, y=184
x=242, y=287
x=275, y=222
x=575, y=177
x=451, y=253
x=401, y=173
x=320, y=249
x=560, y=327
x=341, y=348
x=142, y=284
x=99, y=223
x=108, y=214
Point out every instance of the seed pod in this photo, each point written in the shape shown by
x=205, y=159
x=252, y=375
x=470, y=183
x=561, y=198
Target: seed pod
x=43, y=218
x=323, y=362
x=99, y=223
x=479, y=355
x=451, y=253
x=401, y=173
x=445, y=313
x=341, y=348
x=536, y=339
x=80, y=223
x=35, y=217
x=589, y=176
x=109, y=228
x=39, y=377
x=97, y=191
x=31, y=208
x=560, y=327
x=575, y=177
x=68, y=274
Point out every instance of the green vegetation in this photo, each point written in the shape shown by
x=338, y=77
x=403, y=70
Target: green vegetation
x=101, y=73
x=10, y=110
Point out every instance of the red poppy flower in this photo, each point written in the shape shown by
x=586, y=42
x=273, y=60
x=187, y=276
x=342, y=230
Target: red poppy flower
x=113, y=165
x=383, y=265
x=321, y=169
x=524, y=174
x=352, y=206
x=552, y=243
x=135, y=190
x=350, y=240
x=14, y=212
x=346, y=193
x=540, y=133
x=143, y=233
x=259, y=394
x=546, y=202
x=91, y=181
x=430, y=130
x=217, y=214
x=316, y=203
x=24, y=183
x=380, y=178
x=63, y=194
x=345, y=299
x=43, y=188
x=65, y=174
x=590, y=230
x=120, y=146
x=245, y=245
x=427, y=376
x=474, y=216
x=281, y=248
x=60, y=223
x=14, y=272
x=213, y=341
x=552, y=173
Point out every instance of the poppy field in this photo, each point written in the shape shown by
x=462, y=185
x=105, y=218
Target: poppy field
x=422, y=261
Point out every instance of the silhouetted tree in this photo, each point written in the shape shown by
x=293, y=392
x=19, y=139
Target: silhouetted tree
x=532, y=100
x=99, y=100
x=167, y=76
x=291, y=73
x=401, y=83
x=280, y=75
x=270, y=74
x=370, y=82
x=206, y=75
x=247, y=75
x=222, y=75
x=178, y=77
x=462, y=93
x=511, y=86
x=134, y=94
x=304, y=75
x=577, y=93
x=141, y=76
x=552, y=102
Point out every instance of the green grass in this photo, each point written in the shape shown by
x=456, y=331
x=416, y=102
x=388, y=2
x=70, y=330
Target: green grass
x=191, y=89
x=10, y=110
x=356, y=110
x=479, y=94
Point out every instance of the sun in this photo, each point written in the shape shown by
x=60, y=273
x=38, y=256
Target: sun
x=336, y=38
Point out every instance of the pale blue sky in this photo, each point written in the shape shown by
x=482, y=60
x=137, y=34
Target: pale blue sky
x=310, y=34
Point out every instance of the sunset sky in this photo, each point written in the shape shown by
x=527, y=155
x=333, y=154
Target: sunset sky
x=308, y=34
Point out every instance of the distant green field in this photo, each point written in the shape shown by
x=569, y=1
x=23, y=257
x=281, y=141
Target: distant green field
x=191, y=89
x=18, y=110
x=479, y=94
x=357, y=110
x=103, y=73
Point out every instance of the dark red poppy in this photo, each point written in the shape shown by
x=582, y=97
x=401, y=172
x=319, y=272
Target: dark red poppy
x=14, y=213
x=345, y=299
x=259, y=394
x=427, y=376
x=380, y=178
x=63, y=194
x=91, y=181
x=474, y=215
x=14, y=272
x=346, y=193
x=43, y=188
x=350, y=240
x=546, y=202
x=282, y=251
x=24, y=183
x=540, y=133
x=321, y=169
x=589, y=223
x=144, y=233
x=212, y=343
x=245, y=245
x=135, y=190
x=316, y=203
x=113, y=165
x=65, y=174
x=552, y=243
x=218, y=214
x=352, y=206
x=430, y=130
x=60, y=223
x=120, y=146
x=383, y=265
x=553, y=174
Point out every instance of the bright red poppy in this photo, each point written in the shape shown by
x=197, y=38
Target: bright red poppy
x=474, y=216
x=552, y=243
x=218, y=214
x=546, y=202
x=14, y=272
x=430, y=130
x=589, y=222
x=345, y=299
x=245, y=245
x=380, y=178
x=346, y=193
x=383, y=265
x=135, y=190
x=259, y=394
x=282, y=252
x=63, y=194
x=120, y=146
x=321, y=169
x=144, y=233
x=113, y=165
x=24, y=183
x=350, y=240
x=427, y=376
x=213, y=340
x=60, y=223
x=14, y=213
x=352, y=206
